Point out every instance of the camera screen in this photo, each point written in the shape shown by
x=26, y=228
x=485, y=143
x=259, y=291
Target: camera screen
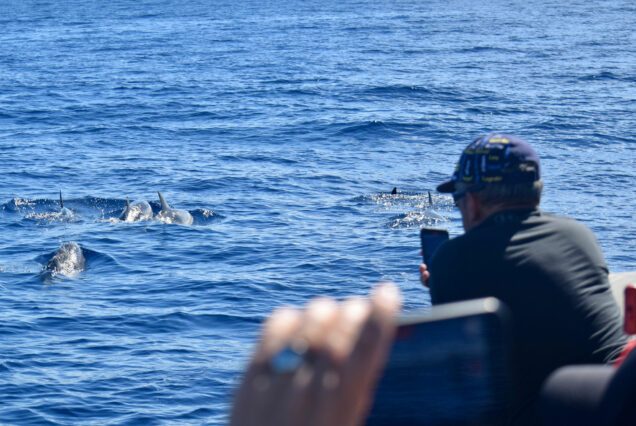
x=449, y=371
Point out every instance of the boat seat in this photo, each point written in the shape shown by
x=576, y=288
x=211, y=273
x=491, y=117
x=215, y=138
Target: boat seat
x=591, y=395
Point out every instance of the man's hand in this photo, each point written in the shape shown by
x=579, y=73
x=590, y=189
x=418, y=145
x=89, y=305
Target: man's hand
x=424, y=275
x=318, y=366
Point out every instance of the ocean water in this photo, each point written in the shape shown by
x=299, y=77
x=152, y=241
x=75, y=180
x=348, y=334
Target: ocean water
x=281, y=127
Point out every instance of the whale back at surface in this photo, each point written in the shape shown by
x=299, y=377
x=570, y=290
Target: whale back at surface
x=67, y=260
x=170, y=215
x=139, y=211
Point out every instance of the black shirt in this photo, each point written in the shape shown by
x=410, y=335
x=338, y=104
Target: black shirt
x=551, y=273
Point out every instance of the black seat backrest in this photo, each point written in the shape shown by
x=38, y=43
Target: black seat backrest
x=591, y=395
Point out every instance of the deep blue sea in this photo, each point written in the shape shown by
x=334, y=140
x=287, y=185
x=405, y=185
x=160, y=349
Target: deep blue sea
x=281, y=126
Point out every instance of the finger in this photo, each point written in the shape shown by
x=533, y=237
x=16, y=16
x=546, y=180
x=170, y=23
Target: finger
x=386, y=300
x=301, y=390
x=424, y=275
x=343, y=335
x=357, y=343
x=331, y=397
x=320, y=316
x=277, y=331
x=308, y=342
x=376, y=334
x=253, y=397
x=366, y=362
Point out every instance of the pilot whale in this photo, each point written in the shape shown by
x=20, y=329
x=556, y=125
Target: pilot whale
x=67, y=260
x=170, y=215
x=139, y=211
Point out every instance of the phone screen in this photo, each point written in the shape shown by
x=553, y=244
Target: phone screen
x=431, y=240
x=449, y=367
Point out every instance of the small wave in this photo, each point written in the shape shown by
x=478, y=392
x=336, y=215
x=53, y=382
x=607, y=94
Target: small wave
x=287, y=81
x=418, y=200
x=208, y=213
x=205, y=216
x=416, y=219
x=494, y=110
x=170, y=322
x=399, y=90
x=608, y=76
x=258, y=158
x=18, y=204
x=559, y=123
x=482, y=49
x=206, y=115
x=415, y=92
x=376, y=128
x=52, y=217
x=22, y=205
x=323, y=178
x=100, y=261
x=602, y=75
x=303, y=92
x=84, y=129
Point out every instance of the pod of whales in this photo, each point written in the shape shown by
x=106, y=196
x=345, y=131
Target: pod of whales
x=67, y=260
x=139, y=211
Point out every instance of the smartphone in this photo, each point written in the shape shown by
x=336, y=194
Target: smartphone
x=431, y=239
x=630, y=309
x=448, y=366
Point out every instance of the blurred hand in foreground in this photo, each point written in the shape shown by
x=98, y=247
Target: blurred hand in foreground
x=320, y=365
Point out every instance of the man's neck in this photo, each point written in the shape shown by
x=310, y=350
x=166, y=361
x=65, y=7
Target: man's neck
x=489, y=211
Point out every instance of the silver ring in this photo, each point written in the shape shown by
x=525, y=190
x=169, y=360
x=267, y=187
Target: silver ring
x=286, y=360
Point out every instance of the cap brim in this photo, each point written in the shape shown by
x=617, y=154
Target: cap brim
x=447, y=187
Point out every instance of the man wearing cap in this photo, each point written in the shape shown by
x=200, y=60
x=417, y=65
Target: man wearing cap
x=549, y=270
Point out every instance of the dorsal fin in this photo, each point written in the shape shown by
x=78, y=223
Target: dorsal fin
x=124, y=213
x=164, y=205
x=430, y=199
x=394, y=190
x=61, y=202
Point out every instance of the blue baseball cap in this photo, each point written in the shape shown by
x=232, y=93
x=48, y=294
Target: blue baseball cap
x=495, y=158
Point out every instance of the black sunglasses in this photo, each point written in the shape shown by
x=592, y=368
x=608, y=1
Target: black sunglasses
x=458, y=196
x=461, y=194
